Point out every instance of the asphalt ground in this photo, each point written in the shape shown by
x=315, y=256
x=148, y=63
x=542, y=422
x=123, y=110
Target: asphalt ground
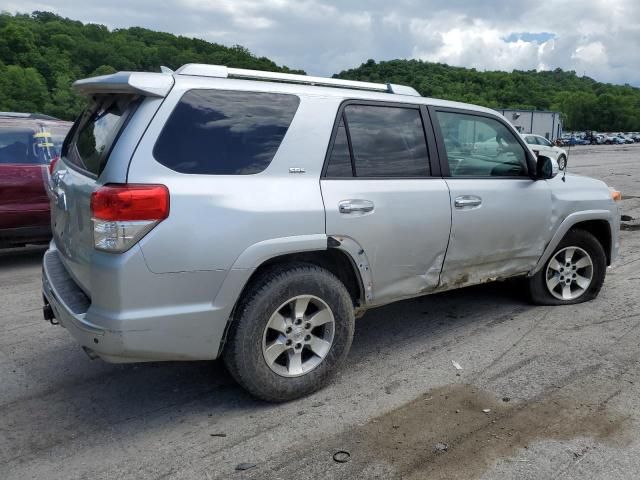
x=561, y=386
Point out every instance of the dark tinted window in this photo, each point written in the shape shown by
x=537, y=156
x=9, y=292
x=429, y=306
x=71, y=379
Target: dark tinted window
x=481, y=147
x=95, y=132
x=15, y=146
x=220, y=132
x=387, y=141
x=340, y=160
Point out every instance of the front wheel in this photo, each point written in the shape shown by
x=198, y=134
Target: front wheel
x=290, y=333
x=562, y=162
x=573, y=274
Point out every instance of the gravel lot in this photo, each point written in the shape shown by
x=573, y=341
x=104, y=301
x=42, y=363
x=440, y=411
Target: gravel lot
x=562, y=385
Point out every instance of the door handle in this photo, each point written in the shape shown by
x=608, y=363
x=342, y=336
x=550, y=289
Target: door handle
x=467, y=201
x=355, y=206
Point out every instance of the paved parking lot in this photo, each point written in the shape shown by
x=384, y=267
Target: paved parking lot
x=562, y=385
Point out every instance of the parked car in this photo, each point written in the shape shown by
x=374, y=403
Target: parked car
x=541, y=145
x=28, y=144
x=253, y=215
x=577, y=141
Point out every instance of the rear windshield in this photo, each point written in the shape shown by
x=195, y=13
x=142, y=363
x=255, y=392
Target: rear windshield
x=96, y=130
x=35, y=144
x=221, y=132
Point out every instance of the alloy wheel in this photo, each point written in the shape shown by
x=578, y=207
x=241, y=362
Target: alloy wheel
x=298, y=336
x=569, y=273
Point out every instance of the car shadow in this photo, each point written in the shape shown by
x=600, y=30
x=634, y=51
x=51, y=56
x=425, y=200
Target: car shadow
x=89, y=397
x=21, y=257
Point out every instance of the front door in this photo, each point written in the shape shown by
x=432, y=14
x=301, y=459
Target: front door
x=379, y=192
x=541, y=145
x=501, y=217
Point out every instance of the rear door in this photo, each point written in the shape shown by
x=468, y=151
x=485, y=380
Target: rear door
x=23, y=162
x=84, y=157
x=381, y=191
x=501, y=217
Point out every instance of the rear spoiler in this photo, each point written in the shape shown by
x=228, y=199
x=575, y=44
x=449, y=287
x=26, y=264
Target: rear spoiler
x=140, y=83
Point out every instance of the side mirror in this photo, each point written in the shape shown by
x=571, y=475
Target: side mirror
x=546, y=167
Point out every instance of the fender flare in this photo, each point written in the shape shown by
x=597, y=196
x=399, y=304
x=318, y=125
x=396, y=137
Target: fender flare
x=258, y=253
x=359, y=261
x=569, y=222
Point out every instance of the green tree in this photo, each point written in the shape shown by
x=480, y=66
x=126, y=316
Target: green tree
x=42, y=54
x=23, y=89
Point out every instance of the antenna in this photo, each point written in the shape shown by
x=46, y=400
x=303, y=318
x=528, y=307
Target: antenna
x=566, y=164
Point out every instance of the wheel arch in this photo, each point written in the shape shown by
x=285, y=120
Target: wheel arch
x=597, y=222
x=335, y=255
x=599, y=229
x=335, y=260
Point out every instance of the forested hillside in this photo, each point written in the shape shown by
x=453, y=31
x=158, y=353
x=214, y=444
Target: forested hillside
x=42, y=54
x=585, y=103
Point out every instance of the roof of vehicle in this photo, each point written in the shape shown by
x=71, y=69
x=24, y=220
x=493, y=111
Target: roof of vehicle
x=33, y=116
x=526, y=110
x=159, y=85
x=7, y=122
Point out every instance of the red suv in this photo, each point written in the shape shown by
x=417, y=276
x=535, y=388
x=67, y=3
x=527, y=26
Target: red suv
x=28, y=145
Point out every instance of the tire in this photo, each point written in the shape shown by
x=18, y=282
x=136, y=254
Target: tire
x=280, y=289
x=562, y=162
x=582, y=242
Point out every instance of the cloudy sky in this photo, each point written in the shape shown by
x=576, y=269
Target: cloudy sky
x=594, y=37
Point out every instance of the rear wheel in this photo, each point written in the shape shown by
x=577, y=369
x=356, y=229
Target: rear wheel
x=291, y=332
x=573, y=274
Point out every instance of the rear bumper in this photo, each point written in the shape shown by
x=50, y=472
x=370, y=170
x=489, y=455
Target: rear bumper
x=70, y=304
x=192, y=331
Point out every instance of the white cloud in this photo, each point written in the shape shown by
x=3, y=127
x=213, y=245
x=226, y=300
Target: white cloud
x=596, y=37
x=591, y=52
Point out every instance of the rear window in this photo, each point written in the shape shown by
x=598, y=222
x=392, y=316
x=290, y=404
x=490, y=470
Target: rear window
x=221, y=132
x=96, y=130
x=30, y=145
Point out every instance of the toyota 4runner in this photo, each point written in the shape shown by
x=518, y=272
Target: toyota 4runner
x=251, y=215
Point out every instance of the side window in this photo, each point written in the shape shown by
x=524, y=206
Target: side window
x=544, y=141
x=340, y=160
x=531, y=140
x=222, y=132
x=385, y=142
x=16, y=146
x=480, y=146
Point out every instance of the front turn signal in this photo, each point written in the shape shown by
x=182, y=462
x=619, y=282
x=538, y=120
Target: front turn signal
x=616, y=196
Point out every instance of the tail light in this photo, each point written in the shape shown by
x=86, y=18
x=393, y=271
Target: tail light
x=52, y=164
x=124, y=213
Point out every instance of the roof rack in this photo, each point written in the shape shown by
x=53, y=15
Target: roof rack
x=220, y=71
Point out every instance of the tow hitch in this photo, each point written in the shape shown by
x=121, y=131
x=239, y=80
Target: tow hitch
x=48, y=314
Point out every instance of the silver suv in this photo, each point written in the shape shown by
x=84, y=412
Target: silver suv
x=215, y=212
